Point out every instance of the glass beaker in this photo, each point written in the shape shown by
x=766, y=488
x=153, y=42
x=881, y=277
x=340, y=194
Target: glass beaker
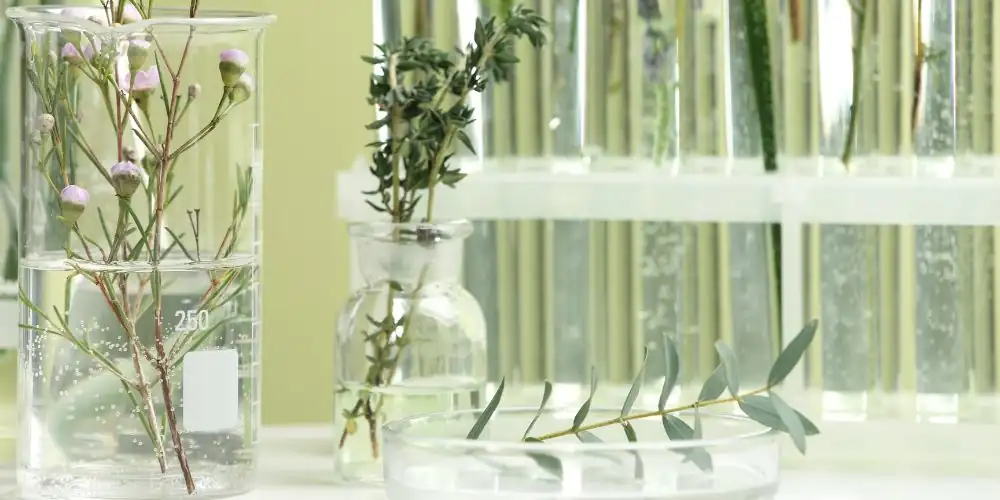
x=411, y=341
x=10, y=64
x=140, y=252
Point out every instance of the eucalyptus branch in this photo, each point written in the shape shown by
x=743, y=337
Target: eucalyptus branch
x=770, y=411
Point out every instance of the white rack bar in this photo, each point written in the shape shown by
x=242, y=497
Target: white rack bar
x=953, y=191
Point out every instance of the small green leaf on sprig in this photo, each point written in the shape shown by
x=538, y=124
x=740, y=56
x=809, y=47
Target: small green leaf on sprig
x=484, y=418
x=771, y=411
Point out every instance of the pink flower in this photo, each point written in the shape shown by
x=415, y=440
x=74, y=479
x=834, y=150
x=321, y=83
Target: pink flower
x=129, y=15
x=145, y=81
x=70, y=54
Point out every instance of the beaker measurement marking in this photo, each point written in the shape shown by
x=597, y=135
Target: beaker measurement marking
x=191, y=320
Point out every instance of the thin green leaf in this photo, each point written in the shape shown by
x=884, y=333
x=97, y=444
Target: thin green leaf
x=697, y=434
x=730, y=366
x=549, y=463
x=546, y=394
x=177, y=239
x=714, y=385
x=791, y=421
x=761, y=410
x=676, y=429
x=487, y=414
x=395, y=286
x=629, y=432
x=581, y=414
x=792, y=353
x=679, y=430
x=640, y=471
x=759, y=52
x=633, y=392
x=588, y=437
x=672, y=361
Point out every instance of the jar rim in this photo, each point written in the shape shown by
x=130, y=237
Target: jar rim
x=397, y=430
x=169, y=16
x=454, y=229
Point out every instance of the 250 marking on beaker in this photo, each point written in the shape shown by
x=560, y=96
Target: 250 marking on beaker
x=191, y=320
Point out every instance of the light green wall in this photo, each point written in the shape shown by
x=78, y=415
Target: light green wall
x=314, y=115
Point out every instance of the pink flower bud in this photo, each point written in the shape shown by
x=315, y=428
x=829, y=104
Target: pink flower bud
x=126, y=178
x=73, y=200
x=138, y=51
x=232, y=64
x=242, y=89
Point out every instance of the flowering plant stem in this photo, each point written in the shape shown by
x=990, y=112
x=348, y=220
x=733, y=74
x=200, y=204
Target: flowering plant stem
x=126, y=93
x=422, y=93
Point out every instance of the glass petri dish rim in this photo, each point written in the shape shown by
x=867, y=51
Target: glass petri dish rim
x=396, y=430
x=167, y=16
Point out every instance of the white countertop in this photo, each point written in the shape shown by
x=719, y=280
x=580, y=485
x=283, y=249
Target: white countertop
x=297, y=464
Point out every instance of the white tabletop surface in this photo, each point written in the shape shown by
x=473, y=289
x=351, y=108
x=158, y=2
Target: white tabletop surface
x=297, y=464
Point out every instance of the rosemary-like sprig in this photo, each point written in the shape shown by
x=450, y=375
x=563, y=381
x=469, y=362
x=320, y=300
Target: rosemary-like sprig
x=421, y=91
x=769, y=410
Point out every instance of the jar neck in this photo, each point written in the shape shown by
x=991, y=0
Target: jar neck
x=408, y=263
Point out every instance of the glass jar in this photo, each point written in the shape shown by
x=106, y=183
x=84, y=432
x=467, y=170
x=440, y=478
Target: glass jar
x=428, y=457
x=411, y=341
x=140, y=252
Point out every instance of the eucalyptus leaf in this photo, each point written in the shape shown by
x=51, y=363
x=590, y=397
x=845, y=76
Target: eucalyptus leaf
x=547, y=462
x=761, y=410
x=791, y=421
x=588, y=437
x=672, y=369
x=792, y=353
x=679, y=430
x=676, y=428
x=730, y=366
x=714, y=385
x=640, y=471
x=581, y=414
x=633, y=392
x=487, y=414
x=541, y=408
x=697, y=425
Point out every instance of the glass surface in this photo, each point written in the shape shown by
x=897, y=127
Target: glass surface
x=428, y=457
x=140, y=361
x=10, y=72
x=411, y=341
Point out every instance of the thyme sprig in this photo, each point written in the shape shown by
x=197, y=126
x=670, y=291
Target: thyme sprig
x=420, y=92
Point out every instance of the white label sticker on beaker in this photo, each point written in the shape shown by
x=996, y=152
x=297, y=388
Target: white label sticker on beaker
x=8, y=323
x=211, y=390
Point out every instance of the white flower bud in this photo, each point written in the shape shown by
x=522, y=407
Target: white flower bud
x=46, y=123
